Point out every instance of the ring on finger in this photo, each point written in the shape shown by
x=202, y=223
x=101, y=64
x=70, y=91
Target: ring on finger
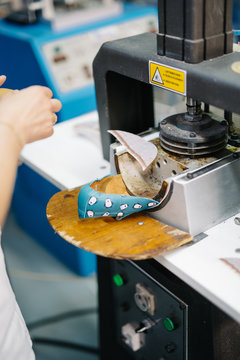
x=54, y=118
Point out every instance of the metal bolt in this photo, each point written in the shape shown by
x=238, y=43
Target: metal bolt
x=192, y=134
x=182, y=306
x=164, y=122
x=170, y=347
x=237, y=220
x=189, y=176
x=140, y=223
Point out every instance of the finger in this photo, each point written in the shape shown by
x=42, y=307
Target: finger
x=48, y=92
x=54, y=119
x=48, y=119
x=56, y=105
x=2, y=79
x=42, y=89
x=41, y=129
x=48, y=131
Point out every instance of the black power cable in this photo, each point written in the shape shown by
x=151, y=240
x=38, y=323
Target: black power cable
x=66, y=344
x=60, y=317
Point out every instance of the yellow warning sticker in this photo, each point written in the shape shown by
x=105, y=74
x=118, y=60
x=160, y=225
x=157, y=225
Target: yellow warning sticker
x=168, y=77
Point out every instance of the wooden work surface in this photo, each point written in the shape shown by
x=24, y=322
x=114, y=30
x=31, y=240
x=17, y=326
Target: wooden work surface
x=136, y=237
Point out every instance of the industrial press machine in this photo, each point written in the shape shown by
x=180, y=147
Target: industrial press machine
x=146, y=311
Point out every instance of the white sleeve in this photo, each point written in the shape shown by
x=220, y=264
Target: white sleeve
x=15, y=342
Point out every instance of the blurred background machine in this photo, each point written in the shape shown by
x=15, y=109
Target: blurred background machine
x=55, y=46
x=150, y=312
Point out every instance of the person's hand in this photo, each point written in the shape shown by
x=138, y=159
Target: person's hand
x=30, y=112
x=2, y=79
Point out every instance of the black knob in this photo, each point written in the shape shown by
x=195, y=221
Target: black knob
x=170, y=347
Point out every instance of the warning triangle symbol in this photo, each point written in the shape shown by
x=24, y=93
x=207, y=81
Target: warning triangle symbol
x=157, y=77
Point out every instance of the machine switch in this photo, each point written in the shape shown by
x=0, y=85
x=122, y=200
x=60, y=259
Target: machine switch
x=131, y=338
x=118, y=280
x=147, y=324
x=168, y=324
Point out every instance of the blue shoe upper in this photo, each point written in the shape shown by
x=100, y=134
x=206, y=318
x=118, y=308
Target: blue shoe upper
x=92, y=203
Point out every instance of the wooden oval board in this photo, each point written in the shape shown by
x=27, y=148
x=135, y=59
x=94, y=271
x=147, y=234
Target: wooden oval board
x=137, y=237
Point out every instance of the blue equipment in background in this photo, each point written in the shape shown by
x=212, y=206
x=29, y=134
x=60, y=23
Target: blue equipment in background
x=236, y=15
x=62, y=60
x=236, y=20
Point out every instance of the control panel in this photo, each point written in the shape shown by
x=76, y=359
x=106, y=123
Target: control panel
x=69, y=59
x=147, y=313
x=151, y=322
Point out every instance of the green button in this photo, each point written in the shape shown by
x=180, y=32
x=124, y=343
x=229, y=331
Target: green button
x=118, y=280
x=168, y=324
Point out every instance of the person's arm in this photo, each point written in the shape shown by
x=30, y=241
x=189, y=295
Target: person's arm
x=25, y=116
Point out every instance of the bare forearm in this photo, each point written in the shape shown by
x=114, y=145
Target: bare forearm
x=25, y=116
x=9, y=153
